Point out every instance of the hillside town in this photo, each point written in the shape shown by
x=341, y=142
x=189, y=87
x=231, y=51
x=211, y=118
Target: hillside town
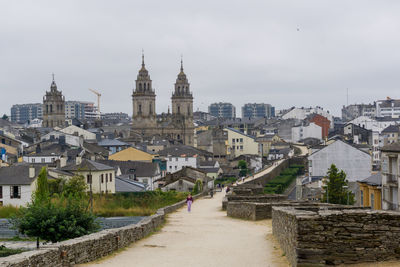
x=199, y=133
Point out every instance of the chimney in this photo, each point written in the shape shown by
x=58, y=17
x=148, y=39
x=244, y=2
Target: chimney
x=31, y=172
x=78, y=160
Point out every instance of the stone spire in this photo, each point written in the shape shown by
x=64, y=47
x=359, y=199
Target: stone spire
x=53, y=86
x=182, y=86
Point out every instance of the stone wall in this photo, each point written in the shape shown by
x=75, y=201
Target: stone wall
x=90, y=247
x=260, y=211
x=316, y=237
x=252, y=198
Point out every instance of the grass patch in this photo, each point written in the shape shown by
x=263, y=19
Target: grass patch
x=134, y=204
x=283, y=180
x=7, y=211
x=4, y=252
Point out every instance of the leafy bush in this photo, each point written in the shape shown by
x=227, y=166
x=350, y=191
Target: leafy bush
x=134, y=204
x=198, y=187
x=278, y=184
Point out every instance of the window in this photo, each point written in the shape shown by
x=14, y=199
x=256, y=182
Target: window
x=89, y=178
x=241, y=140
x=43, y=160
x=176, y=167
x=372, y=201
x=140, y=109
x=33, y=160
x=1, y=192
x=145, y=181
x=15, y=191
x=362, y=198
x=106, y=177
x=102, y=178
x=237, y=139
x=233, y=140
x=110, y=177
x=170, y=167
x=241, y=147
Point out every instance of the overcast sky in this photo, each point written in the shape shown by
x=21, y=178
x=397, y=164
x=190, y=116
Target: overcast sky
x=286, y=53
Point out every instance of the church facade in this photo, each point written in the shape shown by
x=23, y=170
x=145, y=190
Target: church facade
x=53, y=108
x=178, y=125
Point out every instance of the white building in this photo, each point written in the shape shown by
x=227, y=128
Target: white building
x=388, y=108
x=354, y=162
x=303, y=113
x=175, y=164
x=390, y=176
x=17, y=183
x=74, y=130
x=306, y=131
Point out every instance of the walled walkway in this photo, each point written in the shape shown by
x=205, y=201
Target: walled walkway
x=204, y=237
x=262, y=172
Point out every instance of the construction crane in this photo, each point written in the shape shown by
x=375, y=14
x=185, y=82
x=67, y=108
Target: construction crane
x=98, y=101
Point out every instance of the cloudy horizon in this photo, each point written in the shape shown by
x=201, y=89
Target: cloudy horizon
x=285, y=53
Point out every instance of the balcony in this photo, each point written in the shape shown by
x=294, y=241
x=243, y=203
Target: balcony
x=391, y=178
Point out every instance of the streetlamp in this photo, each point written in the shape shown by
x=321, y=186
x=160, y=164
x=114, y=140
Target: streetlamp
x=346, y=187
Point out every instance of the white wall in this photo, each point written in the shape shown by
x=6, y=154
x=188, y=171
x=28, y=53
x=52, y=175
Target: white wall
x=26, y=196
x=81, y=132
x=301, y=132
x=175, y=164
x=40, y=159
x=243, y=144
x=354, y=162
x=302, y=113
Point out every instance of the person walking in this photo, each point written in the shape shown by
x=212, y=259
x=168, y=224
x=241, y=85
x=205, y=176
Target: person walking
x=189, y=201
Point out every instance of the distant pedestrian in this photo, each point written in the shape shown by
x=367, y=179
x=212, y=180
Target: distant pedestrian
x=189, y=201
x=227, y=189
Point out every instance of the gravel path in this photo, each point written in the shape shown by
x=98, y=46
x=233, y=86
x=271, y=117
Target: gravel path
x=204, y=237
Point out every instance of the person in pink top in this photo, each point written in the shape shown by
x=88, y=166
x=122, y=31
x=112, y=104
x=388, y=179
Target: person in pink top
x=189, y=201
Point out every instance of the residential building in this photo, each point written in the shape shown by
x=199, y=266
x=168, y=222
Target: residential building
x=266, y=141
x=322, y=122
x=53, y=107
x=113, y=145
x=202, y=116
x=77, y=131
x=261, y=110
x=17, y=183
x=354, y=162
x=222, y=110
x=390, y=134
x=181, y=156
x=371, y=191
x=311, y=130
x=24, y=113
x=184, y=180
x=241, y=144
x=388, y=108
x=146, y=173
x=353, y=111
x=100, y=178
x=76, y=109
x=390, y=176
x=303, y=113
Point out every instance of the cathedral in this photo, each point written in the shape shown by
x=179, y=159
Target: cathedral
x=178, y=125
x=53, y=107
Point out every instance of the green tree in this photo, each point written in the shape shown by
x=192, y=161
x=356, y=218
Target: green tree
x=5, y=117
x=76, y=187
x=59, y=218
x=242, y=165
x=198, y=187
x=336, y=187
x=42, y=193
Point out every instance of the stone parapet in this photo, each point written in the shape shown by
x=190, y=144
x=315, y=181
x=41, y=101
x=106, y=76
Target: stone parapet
x=91, y=247
x=331, y=236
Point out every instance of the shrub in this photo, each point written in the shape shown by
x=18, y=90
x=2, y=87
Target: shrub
x=8, y=211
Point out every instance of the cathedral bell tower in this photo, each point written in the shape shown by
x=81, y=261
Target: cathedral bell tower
x=182, y=108
x=144, y=102
x=53, y=107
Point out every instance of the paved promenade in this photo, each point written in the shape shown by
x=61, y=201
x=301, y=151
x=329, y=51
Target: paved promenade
x=204, y=237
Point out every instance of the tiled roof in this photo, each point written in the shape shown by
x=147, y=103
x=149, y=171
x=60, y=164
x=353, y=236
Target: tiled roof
x=395, y=147
x=375, y=179
x=17, y=174
x=112, y=142
x=139, y=168
x=87, y=165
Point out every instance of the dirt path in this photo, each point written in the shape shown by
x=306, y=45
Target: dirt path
x=204, y=237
